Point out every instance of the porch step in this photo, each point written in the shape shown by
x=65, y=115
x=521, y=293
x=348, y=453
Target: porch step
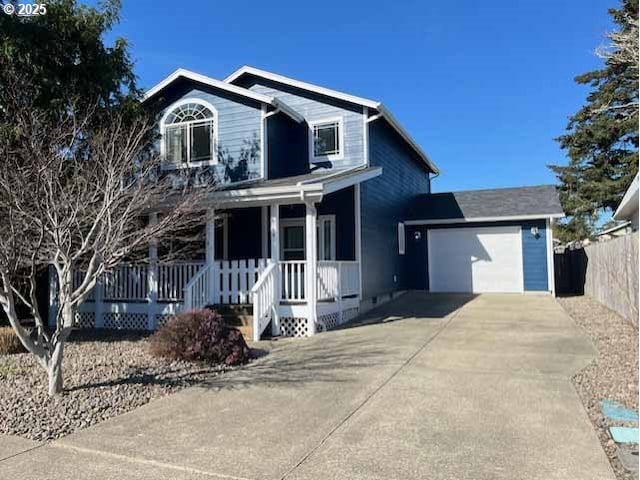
x=224, y=309
x=238, y=316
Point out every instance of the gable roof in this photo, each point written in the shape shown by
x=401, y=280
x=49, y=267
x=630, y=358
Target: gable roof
x=629, y=203
x=365, y=102
x=212, y=82
x=500, y=204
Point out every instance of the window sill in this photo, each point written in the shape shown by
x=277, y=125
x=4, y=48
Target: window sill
x=183, y=166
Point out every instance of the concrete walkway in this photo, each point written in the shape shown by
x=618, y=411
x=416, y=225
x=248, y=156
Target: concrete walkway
x=438, y=387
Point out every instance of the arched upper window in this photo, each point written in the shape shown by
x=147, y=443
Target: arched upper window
x=190, y=131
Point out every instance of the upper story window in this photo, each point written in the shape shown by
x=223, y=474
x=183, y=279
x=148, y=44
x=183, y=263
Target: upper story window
x=326, y=140
x=190, y=133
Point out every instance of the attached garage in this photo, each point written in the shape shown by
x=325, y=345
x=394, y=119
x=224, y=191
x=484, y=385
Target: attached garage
x=484, y=241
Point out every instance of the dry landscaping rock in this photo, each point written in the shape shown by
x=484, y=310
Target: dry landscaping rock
x=105, y=374
x=613, y=375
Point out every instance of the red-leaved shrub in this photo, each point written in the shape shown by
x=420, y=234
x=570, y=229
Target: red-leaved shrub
x=200, y=335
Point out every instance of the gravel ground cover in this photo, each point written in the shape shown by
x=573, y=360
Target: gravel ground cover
x=613, y=374
x=106, y=373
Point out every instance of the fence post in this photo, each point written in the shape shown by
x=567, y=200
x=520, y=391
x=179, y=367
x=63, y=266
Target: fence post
x=98, y=300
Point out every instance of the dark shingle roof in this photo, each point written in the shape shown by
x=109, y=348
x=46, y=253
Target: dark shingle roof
x=540, y=200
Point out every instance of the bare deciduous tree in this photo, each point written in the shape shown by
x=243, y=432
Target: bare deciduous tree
x=75, y=194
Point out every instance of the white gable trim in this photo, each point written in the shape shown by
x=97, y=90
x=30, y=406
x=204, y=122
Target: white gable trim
x=196, y=77
x=340, y=96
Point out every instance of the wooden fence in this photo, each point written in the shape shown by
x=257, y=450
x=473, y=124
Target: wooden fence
x=606, y=271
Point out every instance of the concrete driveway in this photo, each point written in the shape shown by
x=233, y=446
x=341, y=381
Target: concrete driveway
x=429, y=386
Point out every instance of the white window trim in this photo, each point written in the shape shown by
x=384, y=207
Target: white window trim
x=331, y=219
x=163, y=129
x=300, y=222
x=326, y=158
x=402, y=239
x=291, y=222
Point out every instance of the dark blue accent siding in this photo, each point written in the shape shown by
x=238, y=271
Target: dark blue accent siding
x=416, y=258
x=287, y=152
x=341, y=204
x=245, y=233
x=534, y=255
x=384, y=201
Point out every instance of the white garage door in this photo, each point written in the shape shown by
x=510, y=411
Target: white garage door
x=484, y=259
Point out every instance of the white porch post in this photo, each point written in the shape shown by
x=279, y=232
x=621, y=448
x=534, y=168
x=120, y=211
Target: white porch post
x=358, y=236
x=311, y=265
x=152, y=276
x=274, y=230
x=210, y=254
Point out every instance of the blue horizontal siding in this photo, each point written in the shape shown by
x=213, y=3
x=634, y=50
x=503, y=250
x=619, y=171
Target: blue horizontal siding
x=238, y=129
x=384, y=201
x=534, y=256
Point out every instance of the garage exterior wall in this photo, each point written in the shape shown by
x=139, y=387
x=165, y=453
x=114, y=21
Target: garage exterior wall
x=534, y=253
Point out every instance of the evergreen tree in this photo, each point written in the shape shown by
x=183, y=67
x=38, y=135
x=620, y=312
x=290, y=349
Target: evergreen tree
x=61, y=58
x=602, y=137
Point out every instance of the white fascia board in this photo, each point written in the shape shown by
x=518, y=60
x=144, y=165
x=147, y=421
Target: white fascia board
x=447, y=221
x=335, y=184
x=341, y=96
x=405, y=135
x=629, y=202
x=302, y=85
x=243, y=92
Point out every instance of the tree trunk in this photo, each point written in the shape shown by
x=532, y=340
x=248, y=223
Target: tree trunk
x=54, y=369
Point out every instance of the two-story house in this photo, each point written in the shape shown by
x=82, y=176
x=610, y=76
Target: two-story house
x=322, y=209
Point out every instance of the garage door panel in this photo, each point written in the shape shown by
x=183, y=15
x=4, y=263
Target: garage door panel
x=480, y=259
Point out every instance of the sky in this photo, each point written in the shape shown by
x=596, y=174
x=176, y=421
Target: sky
x=483, y=87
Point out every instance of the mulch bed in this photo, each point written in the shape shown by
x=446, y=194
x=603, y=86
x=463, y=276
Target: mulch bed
x=613, y=375
x=106, y=373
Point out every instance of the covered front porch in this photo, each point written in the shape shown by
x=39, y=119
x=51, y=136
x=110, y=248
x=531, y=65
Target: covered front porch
x=262, y=248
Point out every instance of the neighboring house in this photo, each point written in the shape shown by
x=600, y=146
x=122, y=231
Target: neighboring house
x=318, y=187
x=628, y=208
x=619, y=230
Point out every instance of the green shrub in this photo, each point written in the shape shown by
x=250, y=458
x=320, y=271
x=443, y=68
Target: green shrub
x=9, y=342
x=200, y=335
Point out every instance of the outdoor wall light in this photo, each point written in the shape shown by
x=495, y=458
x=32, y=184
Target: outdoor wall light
x=417, y=235
x=535, y=232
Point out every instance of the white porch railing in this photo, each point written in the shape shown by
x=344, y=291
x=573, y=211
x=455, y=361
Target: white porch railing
x=334, y=280
x=234, y=279
x=349, y=275
x=173, y=278
x=196, y=292
x=265, y=299
x=126, y=283
x=292, y=280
